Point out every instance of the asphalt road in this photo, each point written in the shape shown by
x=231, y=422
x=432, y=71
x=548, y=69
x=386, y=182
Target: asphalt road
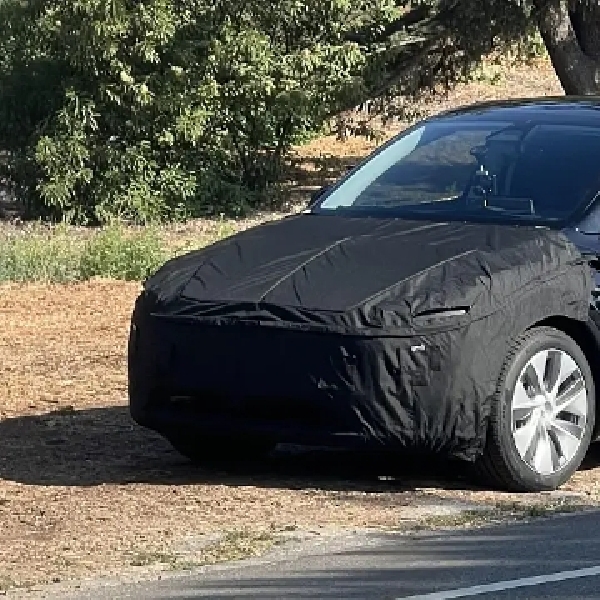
x=556, y=558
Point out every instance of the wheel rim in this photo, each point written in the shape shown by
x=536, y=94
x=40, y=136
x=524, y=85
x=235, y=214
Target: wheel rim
x=549, y=411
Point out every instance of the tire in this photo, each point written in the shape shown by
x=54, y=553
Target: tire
x=219, y=449
x=518, y=455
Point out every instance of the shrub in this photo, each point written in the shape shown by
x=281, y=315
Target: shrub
x=59, y=255
x=158, y=109
x=116, y=253
x=39, y=254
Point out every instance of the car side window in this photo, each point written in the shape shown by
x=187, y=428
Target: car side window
x=591, y=222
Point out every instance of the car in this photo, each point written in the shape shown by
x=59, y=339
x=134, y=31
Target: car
x=441, y=298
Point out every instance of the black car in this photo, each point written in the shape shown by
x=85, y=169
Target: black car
x=439, y=298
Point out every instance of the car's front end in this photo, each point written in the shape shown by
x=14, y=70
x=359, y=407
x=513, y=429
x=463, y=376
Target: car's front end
x=407, y=358
x=305, y=384
x=426, y=301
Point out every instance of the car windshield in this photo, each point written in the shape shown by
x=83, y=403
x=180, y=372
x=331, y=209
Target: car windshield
x=471, y=169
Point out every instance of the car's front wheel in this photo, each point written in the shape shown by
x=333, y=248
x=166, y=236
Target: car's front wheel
x=543, y=413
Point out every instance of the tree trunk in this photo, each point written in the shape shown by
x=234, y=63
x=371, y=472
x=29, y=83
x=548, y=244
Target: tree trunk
x=571, y=33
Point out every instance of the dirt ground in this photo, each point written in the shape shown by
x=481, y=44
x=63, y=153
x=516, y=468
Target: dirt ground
x=85, y=492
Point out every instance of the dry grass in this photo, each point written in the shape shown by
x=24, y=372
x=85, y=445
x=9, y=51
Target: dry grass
x=84, y=492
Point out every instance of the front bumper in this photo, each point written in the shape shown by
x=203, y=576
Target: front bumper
x=190, y=376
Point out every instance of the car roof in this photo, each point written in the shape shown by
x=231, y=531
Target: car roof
x=555, y=109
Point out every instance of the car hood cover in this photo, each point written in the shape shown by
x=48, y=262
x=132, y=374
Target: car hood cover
x=361, y=272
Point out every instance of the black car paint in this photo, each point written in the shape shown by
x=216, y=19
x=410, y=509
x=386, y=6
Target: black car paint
x=589, y=245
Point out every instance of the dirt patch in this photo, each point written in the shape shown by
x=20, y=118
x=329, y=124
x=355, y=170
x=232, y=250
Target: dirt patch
x=83, y=491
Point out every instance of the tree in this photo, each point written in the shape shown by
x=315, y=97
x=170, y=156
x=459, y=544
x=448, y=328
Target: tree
x=147, y=109
x=437, y=42
x=571, y=32
x=154, y=108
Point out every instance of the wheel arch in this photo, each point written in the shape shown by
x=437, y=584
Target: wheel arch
x=589, y=343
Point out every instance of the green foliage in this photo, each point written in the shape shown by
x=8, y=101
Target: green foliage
x=120, y=255
x=161, y=109
x=62, y=253
x=493, y=68
x=436, y=43
x=46, y=255
x=56, y=254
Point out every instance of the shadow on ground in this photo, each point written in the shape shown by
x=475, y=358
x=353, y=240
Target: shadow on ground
x=103, y=445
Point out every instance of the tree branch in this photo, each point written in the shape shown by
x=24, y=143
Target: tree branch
x=413, y=17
